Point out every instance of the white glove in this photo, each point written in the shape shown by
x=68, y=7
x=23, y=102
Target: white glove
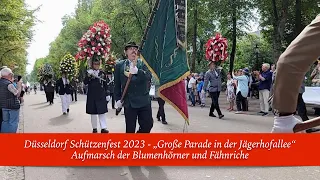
x=133, y=70
x=90, y=71
x=284, y=124
x=118, y=104
x=108, y=98
x=202, y=91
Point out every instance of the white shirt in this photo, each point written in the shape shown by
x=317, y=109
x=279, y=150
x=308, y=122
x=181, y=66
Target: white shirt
x=191, y=82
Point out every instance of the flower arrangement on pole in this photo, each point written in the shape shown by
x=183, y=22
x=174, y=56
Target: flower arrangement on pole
x=95, y=43
x=45, y=73
x=216, y=49
x=68, y=66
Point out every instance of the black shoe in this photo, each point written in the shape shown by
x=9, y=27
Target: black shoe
x=212, y=115
x=94, y=131
x=68, y=110
x=104, y=131
x=164, y=122
x=64, y=113
x=113, y=108
x=312, y=130
x=261, y=112
x=264, y=114
x=221, y=116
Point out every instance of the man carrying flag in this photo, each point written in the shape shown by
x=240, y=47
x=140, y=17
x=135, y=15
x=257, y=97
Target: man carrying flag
x=163, y=50
x=136, y=101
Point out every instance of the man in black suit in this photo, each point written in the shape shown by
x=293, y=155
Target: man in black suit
x=63, y=88
x=98, y=96
x=137, y=102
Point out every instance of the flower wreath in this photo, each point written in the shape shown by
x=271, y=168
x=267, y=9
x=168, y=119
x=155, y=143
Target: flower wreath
x=96, y=42
x=68, y=66
x=216, y=49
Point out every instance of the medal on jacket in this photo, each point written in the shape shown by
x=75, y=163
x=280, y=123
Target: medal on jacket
x=126, y=69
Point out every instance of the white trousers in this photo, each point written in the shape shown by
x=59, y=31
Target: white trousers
x=65, y=101
x=102, y=120
x=264, y=97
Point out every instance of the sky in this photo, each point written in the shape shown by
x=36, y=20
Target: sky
x=50, y=14
x=48, y=29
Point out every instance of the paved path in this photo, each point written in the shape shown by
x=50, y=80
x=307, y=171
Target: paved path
x=39, y=117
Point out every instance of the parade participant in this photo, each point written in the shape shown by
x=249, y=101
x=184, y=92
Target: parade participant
x=50, y=91
x=74, y=88
x=63, y=88
x=98, y=95
x=137, y=102
x=291, y=69
x=213, y=76
x=9, y=101
x=111, y=88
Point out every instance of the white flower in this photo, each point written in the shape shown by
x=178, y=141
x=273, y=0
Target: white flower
x=103, y=44
x=93, y=48
x=104, y=36
x=103, y=56
x=101, y=39
x=101, y=49
x=99, y=53
x=88, y=39
x=99, y=44
x=99, y=33
x=92, y=52
x=85, y=50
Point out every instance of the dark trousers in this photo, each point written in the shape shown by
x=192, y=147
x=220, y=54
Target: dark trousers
x=161, y=113
x=144, y=116
x=215, y=103
x=112, y=100
x=75, y=95
x=302, y=110
x=1, y=118
x=47, y=97
x=50, y=96
x=241, y=102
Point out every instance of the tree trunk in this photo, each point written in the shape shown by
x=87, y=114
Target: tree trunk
x=194, y=39
x=234, y=36
x=298, y=25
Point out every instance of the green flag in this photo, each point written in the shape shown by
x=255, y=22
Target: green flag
x=163, y=50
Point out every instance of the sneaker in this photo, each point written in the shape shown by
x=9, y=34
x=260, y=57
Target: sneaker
x=94, y=131
x=164, y=122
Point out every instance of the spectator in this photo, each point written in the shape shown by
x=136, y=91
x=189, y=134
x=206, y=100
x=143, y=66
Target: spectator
x=9, y=101
x=192, y=89
x=265, y=80
x=242, y=90
x=230, y=92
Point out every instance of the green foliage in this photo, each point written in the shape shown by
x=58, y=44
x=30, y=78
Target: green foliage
x=16, y=23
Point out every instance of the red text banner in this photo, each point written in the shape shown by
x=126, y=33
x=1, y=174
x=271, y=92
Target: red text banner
x=159, y=149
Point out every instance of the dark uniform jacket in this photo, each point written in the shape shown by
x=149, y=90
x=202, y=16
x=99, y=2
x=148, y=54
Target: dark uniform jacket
x=49, y=87
x=97, y=94
x=111, y=85
x=137, y=95
x=61, y=88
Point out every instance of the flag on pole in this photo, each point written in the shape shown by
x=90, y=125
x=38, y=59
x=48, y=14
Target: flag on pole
x=163, y=50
